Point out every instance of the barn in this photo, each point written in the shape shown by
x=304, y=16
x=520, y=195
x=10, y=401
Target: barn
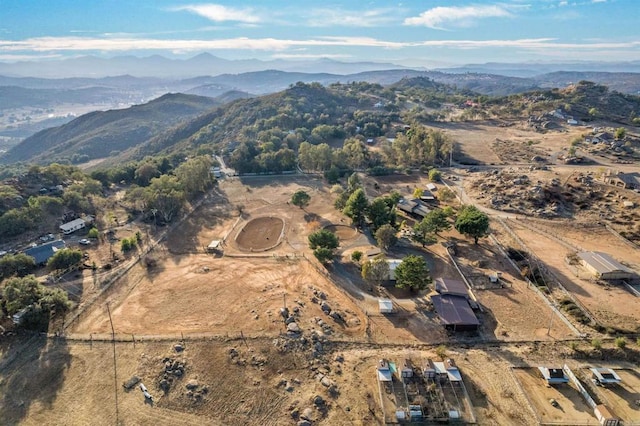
x=604, y=267
x=455, y=312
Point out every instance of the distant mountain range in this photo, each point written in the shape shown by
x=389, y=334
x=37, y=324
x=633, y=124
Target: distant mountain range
x=103, y=133
x=159, y=66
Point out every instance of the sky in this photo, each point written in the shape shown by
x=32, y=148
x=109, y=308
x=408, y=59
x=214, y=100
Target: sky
x=413, y=33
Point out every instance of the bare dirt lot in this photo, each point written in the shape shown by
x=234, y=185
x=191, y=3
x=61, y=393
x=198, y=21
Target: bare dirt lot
x=612, y=305
x=572, y=409
x=203, y=294
x=622, y=398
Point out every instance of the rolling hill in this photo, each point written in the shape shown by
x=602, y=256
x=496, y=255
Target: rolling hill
x=99, y=134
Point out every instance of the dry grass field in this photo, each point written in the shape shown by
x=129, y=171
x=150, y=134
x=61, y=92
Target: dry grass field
x=272, y=377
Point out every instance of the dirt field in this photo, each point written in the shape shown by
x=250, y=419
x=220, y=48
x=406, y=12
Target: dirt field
x=571, y=410
x=260, y=234
x=622, y=399
x=512, y=310
x=613, y=306
x=241, y=390
x=203, y=294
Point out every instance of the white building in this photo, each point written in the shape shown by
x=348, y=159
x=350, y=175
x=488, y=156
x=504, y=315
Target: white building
x=74, y=225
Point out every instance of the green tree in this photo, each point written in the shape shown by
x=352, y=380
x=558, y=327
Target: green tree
x=356, y=256
x=64, y=259
x=324, y=255
x=166, y=195
x=323, y=238
x=472, y=222
x=195, y=175
x=423, y=233
x=436, y=221
x=412, y=273
x=376, y=270
x=381, y=212
x=356, y=207
x=593, y=112
x=620, y=133
x=435, y=175
x=300, y=198
x=145, y=172
x=128, y=244
x=16, y=264
x=418, y=192
x=386, y=237
x=39, y=301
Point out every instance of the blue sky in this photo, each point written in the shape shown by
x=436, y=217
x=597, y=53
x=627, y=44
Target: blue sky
x=416, y=33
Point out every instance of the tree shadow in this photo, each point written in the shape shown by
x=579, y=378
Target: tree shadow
x=32, y=370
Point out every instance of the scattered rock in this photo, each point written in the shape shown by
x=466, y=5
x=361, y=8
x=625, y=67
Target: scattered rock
x=304, y=423
x=192, y=384
x=178, y=348
x=339, y=358
x=284, y=312
x=325, y=307
x=293, y=327
x=307, y=414
x=318, y=401
x=295, y=414
x=326, y=381
x=290, y=320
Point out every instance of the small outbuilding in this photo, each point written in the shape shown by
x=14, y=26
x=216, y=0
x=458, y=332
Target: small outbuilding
x=605, y=376
x=214, y=246
x=407, y=369
x=604, y=267
x=385, y=306
x=384, y=371
x=393, y=264
x=413, y=207
x=554, y=375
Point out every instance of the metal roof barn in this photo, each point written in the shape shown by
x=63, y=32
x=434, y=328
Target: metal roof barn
x=455, y=312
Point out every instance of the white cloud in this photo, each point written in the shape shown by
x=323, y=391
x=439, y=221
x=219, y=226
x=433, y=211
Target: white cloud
x=598, y=1
x=220, y=13
x=440, y=17
x=80, y=44
x=330, y=17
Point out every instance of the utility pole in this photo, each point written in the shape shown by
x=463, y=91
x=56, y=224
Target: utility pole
x=115, y=369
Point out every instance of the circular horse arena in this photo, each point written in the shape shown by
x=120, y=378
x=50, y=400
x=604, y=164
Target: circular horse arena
x=260, y=234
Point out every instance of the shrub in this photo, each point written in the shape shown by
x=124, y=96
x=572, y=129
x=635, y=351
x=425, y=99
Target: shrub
x=573, y=346
x=441, y=352
x=621, y=342
x=356, y=256
x=93, y=233
x=596, y=343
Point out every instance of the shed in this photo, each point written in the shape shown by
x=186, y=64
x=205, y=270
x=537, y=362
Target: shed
x=384, y=371
x=393, y=264
x=43, y=252
x=427, y=196
x=214, y=246
x=407, y=369
x=385, y=306
x=554, y=375
x=415, y=413
x=604, y=266
x=572, y=122
x=448, y=370
x=605, y=376
x=429, y=370
x=455, y=312
x=452, y=287
x=74, y=225
x=432, y=187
